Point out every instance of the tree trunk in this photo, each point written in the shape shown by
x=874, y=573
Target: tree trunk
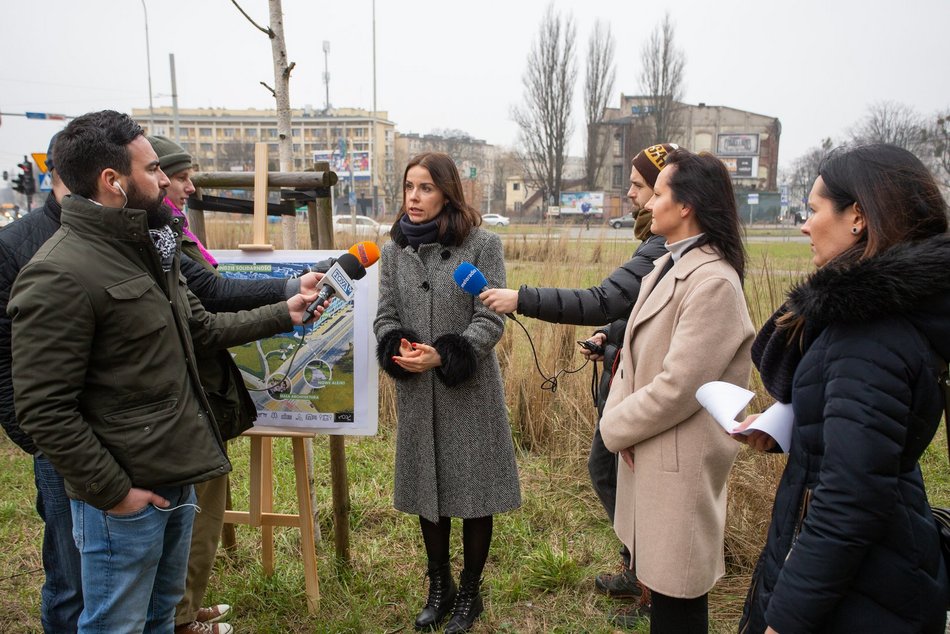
x=282, y=95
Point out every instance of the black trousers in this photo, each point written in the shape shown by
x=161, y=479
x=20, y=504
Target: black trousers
x=670, y=615
x=602, y=466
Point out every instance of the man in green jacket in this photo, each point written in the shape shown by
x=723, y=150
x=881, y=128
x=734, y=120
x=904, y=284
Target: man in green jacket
x=105, y=337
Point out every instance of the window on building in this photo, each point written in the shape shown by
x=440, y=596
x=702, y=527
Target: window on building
x=205, y=131
x=515, y=186
x=229, y=133
x=617, y=145
x=702, y=142
x=250, y=132
x=617, y=180
x=295, y=132
x=206, y=147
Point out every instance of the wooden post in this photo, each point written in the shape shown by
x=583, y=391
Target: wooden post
x=320, y=221
x=196, y=220
x=259, y=224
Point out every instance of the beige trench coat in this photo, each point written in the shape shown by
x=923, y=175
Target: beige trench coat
x=692, y=328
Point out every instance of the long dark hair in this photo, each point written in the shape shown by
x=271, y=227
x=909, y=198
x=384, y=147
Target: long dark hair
x=702, y=182
x=458, y=218
x=895, y=192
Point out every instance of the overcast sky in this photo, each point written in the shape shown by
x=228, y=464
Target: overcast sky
x=816, y=65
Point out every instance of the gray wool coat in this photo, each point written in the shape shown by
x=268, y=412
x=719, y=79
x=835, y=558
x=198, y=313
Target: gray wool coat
x=454, y=452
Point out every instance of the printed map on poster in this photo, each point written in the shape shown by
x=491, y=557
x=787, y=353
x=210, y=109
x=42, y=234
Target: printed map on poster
x=321, y=376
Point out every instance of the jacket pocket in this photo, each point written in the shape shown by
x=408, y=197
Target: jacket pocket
x=802, y=513
x=137, y=437
x=133, y=310
x=668, y=450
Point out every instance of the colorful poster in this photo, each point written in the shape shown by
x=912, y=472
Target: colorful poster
x=341, y=164
x=321, y=376
x=582, y=202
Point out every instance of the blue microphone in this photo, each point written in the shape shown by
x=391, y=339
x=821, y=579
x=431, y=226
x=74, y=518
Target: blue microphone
x=470, y=279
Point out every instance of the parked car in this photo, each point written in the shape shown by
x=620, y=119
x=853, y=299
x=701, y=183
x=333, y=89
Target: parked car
x=365, y=228
x=626, y=220
x=495, y=220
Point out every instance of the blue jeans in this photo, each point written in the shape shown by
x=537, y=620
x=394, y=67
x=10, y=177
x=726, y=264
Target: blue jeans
x=133, y=566
x=62, y=589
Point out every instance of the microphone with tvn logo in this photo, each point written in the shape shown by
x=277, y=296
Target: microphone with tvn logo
x=338, y=280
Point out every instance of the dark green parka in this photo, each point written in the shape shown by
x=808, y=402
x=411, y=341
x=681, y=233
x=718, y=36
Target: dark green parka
x=104, y=344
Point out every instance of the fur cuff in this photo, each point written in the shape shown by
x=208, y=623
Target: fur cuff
x=458, y=359
x=388, y=347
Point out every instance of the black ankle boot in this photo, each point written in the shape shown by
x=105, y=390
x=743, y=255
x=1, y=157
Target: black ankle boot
x=468, y=605
x=441, y=597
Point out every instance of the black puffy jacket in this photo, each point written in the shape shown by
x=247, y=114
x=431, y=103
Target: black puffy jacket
x=21, y=239
x=610, y=303
x=852, y=545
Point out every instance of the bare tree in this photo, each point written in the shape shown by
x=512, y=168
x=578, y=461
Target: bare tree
x=939, y=138
x=805, y=171
x=281, y=92
x=598, y=86
x=661, y=81
x=895, y=123
x=545, y=118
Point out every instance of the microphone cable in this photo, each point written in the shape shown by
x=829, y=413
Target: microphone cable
x=549, y=383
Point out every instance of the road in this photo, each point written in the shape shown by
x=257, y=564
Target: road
x=606, y=233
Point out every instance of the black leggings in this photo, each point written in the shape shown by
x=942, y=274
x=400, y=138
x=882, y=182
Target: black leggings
x=669, y=615
x=476, y=539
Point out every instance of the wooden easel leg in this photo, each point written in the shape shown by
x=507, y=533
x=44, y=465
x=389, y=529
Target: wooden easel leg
x=307, y=548
x=267, y=504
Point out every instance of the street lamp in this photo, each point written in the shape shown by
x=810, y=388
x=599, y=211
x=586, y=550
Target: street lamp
x=148, y=62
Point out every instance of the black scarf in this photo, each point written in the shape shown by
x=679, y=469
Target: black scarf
x=425, y=233
x=776, y=352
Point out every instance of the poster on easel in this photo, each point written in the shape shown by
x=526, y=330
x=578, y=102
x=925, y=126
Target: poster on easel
x=322, y=376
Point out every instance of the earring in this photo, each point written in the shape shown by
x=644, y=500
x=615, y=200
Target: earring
x=854, y=230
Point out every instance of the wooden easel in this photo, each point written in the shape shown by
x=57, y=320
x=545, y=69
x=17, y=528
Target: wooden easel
x=261, y=513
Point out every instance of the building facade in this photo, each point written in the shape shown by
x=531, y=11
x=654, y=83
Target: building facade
x=475, y=159
x=746, y=142
x=223, y=140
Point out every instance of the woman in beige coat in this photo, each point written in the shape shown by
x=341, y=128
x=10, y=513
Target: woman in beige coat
x=690, y=325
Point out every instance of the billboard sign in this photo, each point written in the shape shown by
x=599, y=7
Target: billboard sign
x=741, y=166
x=340, y=163
x=737, y=144
x=582, y=202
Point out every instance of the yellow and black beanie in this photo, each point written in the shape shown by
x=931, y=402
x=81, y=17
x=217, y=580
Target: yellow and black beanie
x=650, y=161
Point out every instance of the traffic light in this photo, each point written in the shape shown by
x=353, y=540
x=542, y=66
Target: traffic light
x=17, y=184
x=27, y=183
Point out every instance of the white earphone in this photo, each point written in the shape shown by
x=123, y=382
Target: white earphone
x=124, y=195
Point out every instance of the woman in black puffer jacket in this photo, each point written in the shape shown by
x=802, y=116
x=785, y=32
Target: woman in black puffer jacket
x=857, y=350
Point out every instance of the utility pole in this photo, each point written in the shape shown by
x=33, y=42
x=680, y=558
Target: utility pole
x=326, y=74
x=148, y=62
x=372, y=157
x=176, y=127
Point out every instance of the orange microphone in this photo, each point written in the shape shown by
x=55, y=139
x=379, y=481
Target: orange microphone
x=366, y=252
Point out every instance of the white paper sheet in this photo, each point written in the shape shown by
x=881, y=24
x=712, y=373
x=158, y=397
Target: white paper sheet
x=724, y=401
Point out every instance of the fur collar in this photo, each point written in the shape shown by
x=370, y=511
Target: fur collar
x=910, y=280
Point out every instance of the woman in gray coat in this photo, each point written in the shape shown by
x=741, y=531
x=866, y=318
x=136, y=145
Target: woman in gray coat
x=454, y=454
